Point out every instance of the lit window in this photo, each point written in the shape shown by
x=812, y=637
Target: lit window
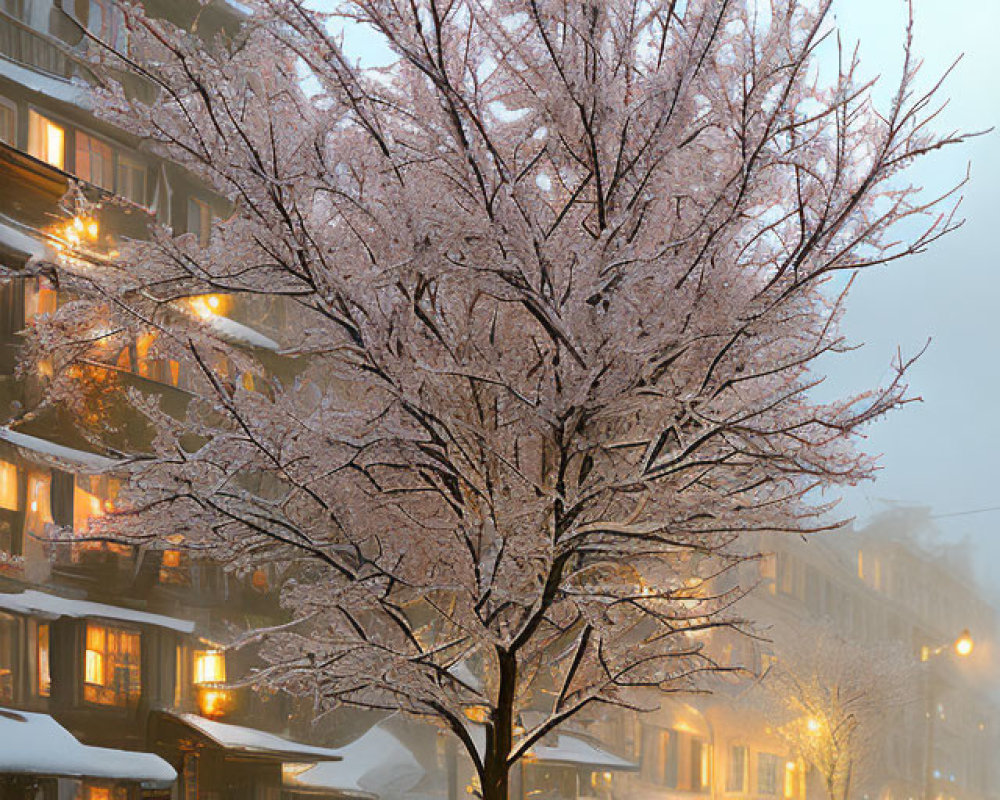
x=9, y=487
x=92, y=792
x=111, y=666
x=8, y=122
x=93, y=496
x=95, y=161
x=131, y=179
x=209, y=666
x=46, y=140
x=199, y=219
x=43, y=676
x=789, y=780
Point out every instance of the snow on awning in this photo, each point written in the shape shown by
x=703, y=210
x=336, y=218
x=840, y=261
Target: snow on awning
x=36, y=603
x=35, y=744
x=579, y=752
x=44, y=447
x=375, y=765
x=250, y=741
x=566, y=749
x=17, y=241
x=238, y=333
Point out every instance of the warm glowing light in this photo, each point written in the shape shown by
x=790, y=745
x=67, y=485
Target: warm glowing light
x=214, y=702
x=93, y=228
x=477, y=714
x=206, y=306
x=94, y=668
x=209, y=666
x=789, y=787
x=964, y=643
x=34, y=505
x=54, y=145
x=109, y=506
x=812, y=725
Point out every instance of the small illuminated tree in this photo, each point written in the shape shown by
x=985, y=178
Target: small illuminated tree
x=556, y=280
x=833, y=700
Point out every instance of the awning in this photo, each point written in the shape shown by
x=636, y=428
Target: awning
x=75, y=458
x=375, y=765
x=579, y=752
x=35, y=603
x=35, y=744
x=252, y=742
x=567, y=749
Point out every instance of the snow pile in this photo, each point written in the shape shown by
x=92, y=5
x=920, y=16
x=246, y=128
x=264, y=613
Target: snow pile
x=375, y=764
x=250, y=740
x=50, y=605
x=35, y=744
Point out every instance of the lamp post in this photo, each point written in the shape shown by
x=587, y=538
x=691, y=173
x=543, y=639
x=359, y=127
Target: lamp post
x=963, y=647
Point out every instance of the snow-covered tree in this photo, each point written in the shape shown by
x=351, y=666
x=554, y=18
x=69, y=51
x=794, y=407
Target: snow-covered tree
x=833, y=700
x=555, y=282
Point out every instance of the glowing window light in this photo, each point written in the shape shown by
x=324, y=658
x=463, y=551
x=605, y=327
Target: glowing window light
x=54, y=141
x=789, y=779
x=8, y=486
x=209, y=666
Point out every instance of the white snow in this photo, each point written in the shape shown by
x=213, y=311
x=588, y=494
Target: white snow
x=43, y=83
x=45, y=447
x=22, y=242
x=50, y=605
x=36, y=744
x=572, y=750
x=240, y=333
x=566, y=749
x=461, y=671
x=377, y=764
x=250, y=740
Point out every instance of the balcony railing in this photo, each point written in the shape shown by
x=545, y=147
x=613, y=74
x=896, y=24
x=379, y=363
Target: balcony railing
x=21, y=43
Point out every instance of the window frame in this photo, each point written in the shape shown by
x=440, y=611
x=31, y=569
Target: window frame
x=11, y=106
x=112, y=164
x=56, y=122
x=105, y=693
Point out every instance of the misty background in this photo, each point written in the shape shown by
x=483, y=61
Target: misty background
x=944, y=452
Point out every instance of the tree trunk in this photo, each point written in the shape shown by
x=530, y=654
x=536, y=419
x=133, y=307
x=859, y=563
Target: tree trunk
x=500, y=733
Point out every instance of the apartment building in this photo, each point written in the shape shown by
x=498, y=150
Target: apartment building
x=113, y=661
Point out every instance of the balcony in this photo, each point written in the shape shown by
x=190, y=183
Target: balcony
x=19, y=42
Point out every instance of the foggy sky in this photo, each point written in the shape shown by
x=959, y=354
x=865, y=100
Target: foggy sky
x=944, y=452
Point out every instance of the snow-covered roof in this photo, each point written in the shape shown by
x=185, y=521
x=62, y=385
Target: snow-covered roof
x=564, y=749
x=376, y=764
x=49, y=605
x=44, y=447
x=35, y=744
x=254, y=742
x=240, y=333
x=573, y=750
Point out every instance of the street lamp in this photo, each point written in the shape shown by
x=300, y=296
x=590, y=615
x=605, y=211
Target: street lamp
x=963, y=647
